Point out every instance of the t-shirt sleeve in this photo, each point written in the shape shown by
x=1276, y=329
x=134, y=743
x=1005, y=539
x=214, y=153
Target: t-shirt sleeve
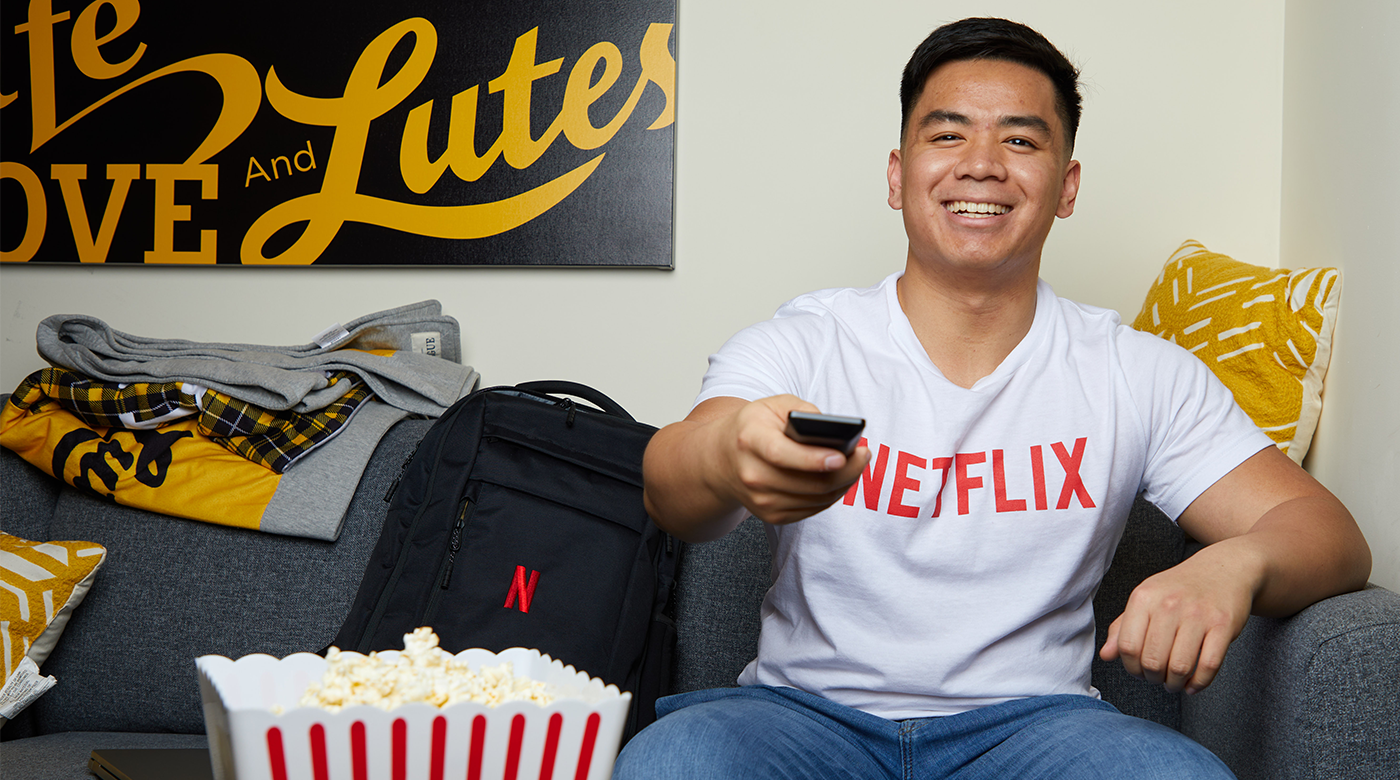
x=1196, y=432
x=770, y=358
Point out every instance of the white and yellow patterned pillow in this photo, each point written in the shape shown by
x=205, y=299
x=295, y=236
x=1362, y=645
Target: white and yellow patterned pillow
x=41, y=583
x=1265, y=332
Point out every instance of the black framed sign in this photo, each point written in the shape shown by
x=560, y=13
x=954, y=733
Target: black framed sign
x=337, y=132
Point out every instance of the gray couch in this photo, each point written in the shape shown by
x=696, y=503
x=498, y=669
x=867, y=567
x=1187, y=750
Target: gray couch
x=1315, y=696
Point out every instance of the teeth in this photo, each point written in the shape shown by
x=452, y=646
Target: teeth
x=976, y=209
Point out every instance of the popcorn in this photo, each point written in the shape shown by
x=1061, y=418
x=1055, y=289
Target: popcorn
x=422, y=672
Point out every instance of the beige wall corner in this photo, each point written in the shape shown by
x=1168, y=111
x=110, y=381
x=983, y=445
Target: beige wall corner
x=1341, y=114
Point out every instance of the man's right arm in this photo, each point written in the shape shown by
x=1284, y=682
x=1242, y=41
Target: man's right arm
x=730, y=456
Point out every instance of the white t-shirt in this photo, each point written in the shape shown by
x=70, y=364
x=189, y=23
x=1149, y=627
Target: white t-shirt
x=960, y=570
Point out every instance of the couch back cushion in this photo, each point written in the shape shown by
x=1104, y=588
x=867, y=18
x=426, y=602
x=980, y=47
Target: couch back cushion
x=173, y=590
x=28, y=496
x=719, y=594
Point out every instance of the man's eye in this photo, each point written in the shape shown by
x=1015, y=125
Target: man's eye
x=1021, y=142
x=946, y=137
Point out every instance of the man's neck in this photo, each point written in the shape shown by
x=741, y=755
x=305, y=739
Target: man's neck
x=967, y=328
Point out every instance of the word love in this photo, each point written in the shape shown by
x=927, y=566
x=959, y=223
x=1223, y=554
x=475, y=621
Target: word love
x=969, y=473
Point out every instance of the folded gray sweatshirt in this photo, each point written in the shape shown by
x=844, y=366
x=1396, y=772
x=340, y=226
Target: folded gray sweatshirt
x=283, y=377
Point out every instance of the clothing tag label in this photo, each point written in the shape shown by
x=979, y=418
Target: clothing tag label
x=331, y=337
x=23, y=687
x=428, y=343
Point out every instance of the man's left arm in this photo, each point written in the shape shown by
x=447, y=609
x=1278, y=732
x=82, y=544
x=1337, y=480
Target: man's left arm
x=1277, y=541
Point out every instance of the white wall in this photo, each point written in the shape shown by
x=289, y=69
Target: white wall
x=1341, y=118
x=787, y=112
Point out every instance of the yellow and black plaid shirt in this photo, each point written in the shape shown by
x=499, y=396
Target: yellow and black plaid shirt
x=275, y=439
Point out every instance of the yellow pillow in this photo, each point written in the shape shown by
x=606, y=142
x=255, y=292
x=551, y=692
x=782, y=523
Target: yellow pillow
x=1265, y=332
x=41, y=583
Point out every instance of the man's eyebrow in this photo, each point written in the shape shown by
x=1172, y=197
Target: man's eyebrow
x=941, y=116
x=1030, y=121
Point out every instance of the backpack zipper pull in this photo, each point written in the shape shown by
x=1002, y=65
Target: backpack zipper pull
x=455, y=545
x=568, y=404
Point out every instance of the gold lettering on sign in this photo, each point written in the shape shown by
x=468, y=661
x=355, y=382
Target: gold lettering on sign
x=38, y=212
x=236, y=77
x=93, y=248
x=256, y=170
x=168, y=212
x=86, y=42
x=368, y=95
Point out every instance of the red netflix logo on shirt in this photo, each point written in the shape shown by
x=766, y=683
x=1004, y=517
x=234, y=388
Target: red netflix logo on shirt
x=964, y=468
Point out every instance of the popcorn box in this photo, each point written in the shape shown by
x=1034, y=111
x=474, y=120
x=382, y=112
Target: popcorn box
x=576, y=737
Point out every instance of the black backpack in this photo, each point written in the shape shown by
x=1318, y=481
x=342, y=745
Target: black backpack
x=518, y=522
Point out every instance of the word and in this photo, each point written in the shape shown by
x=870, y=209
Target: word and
x=255, y=169
x=871, y=485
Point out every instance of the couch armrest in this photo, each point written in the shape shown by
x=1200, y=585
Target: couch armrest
x=1312, y=696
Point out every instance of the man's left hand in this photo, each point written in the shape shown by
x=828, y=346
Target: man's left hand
x=1277, y=541
x=1178, y=623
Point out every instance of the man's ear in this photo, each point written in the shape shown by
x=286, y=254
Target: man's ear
x=895, y=175
x=1069, y=190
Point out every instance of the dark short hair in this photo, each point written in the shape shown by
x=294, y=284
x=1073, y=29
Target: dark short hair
x=992, y=39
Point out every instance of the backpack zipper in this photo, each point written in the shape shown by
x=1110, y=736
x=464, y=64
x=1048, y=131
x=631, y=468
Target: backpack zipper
x=444, y=579
x=454, y=545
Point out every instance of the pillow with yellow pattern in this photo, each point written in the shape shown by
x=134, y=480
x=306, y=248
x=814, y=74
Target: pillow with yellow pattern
x=41, y=583
x=1265, y=332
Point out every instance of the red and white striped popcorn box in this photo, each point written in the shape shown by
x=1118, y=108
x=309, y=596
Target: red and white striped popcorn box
x=576, y=737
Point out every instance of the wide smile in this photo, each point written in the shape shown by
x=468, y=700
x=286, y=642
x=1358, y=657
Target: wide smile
x=976, y=209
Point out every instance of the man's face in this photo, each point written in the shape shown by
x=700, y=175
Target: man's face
x=983, y=168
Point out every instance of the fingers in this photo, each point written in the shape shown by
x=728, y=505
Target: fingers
x=763, y=426
x=1182, y=656
x=1174, y=634
x=1176, y=660
x=1212, y=656
x=778, y=479
x=783, y=495
x=1109, y=651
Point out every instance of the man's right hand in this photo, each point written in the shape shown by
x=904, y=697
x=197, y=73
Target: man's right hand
x=730, y=455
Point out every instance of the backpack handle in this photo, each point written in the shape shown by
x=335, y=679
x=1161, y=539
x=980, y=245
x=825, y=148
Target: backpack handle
x=565, y=387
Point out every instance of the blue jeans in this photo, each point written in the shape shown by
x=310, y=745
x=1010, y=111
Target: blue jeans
x=771, y=733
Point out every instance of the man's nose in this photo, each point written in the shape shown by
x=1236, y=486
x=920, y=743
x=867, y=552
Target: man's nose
x=981, y=159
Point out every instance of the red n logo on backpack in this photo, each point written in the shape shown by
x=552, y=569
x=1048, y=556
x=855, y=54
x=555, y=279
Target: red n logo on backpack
x=520, y=588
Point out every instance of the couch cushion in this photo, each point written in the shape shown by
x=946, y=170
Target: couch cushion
x=719, y=594
x=28, y=496
x=173, y=590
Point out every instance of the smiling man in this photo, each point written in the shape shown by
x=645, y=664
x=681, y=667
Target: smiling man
x=931, y=608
